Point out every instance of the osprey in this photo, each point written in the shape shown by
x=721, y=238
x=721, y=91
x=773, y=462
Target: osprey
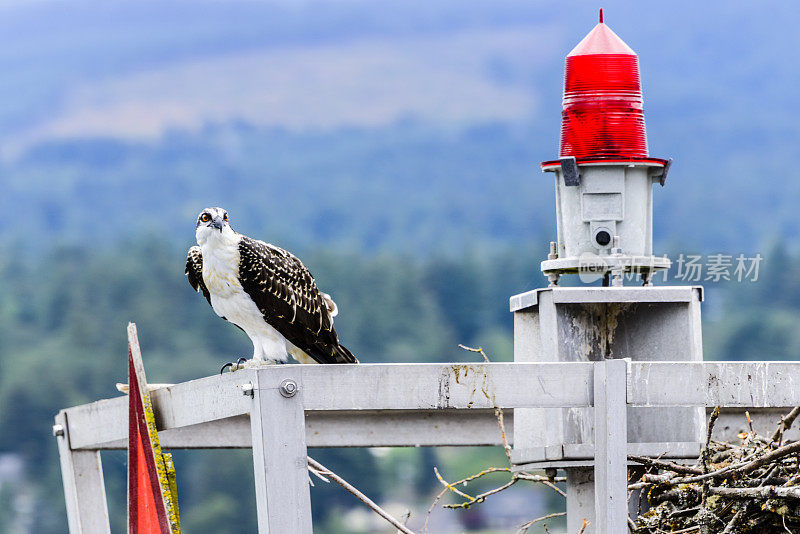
x=264, y=290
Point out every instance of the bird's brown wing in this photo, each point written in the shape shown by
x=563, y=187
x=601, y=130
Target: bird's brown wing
x=288, y=298
x=194, y=272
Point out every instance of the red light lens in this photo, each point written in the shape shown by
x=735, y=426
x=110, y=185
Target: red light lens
x=603, y=114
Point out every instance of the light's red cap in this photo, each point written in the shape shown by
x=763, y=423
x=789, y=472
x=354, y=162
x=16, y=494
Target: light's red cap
x=602, y=115
x=601, y=40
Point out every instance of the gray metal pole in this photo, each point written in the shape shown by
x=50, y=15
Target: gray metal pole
x=277, y=423
x=580, y=500
x=611, y=445
x=84, y=489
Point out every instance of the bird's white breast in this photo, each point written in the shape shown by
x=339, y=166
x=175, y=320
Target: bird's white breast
x=229, y=300
x=221, y=276
x=221, y=267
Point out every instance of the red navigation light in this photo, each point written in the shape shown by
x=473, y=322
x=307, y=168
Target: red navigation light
x=603, y=115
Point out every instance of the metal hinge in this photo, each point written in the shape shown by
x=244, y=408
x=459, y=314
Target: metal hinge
x=569, y=168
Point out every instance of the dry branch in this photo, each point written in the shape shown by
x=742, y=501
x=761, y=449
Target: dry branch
x=524, y=528
x=322, y=470
x=785, y=424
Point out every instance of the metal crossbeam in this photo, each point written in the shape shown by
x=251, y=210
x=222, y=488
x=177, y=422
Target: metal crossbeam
x=724, y=384
x=439, y=389
x=396, y=428
x=187, y=412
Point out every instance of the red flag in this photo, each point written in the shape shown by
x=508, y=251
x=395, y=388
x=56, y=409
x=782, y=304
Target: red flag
x=152, y=504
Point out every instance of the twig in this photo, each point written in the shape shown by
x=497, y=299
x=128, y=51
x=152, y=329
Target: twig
x=704, y=516
x=736, y=519
x=785, y=424
x=711, y=421
x=360, y=496
x=482, y=497
x=662, y=464
x=498, y=412
x=470, y=500
x=316, y=473
x=545, y=480
x=766, y=492
x=430, y=509
x=524, y=528
x=479, y=350
x=406, y=517
x=539, y=478
x=554, y=488
x=450, y=487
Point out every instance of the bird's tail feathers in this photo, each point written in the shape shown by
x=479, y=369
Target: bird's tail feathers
x=342, y=355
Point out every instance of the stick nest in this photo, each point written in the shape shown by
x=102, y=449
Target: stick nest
x=750, y=487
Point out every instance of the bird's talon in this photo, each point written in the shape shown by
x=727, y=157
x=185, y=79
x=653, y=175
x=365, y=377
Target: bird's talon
x=234, y=366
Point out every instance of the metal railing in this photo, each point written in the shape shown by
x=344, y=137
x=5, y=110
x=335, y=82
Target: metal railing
x=280, y=411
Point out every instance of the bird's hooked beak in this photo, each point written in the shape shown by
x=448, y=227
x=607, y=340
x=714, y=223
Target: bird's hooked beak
x=217, y=223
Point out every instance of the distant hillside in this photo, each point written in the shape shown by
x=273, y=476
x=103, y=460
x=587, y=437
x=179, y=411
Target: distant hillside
x=139, y=68
x=413, y=125
x=453, y=79
x=402, y=188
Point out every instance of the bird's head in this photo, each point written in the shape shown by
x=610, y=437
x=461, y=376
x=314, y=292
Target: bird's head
x=212, y=223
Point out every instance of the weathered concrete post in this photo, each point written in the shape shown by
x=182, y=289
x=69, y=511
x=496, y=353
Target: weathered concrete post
x=597, y=324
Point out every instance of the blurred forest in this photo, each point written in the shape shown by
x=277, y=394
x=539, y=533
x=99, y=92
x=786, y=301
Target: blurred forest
x=62, y=342
x=394, y=147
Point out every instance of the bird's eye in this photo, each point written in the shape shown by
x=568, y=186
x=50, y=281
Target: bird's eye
x=205, y=217
x=225, y=217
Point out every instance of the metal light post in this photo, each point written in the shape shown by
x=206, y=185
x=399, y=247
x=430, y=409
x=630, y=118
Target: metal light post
x=604, y=181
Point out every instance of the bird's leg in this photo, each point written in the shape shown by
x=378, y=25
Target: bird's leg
x=234, y=366
x=244, y=363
